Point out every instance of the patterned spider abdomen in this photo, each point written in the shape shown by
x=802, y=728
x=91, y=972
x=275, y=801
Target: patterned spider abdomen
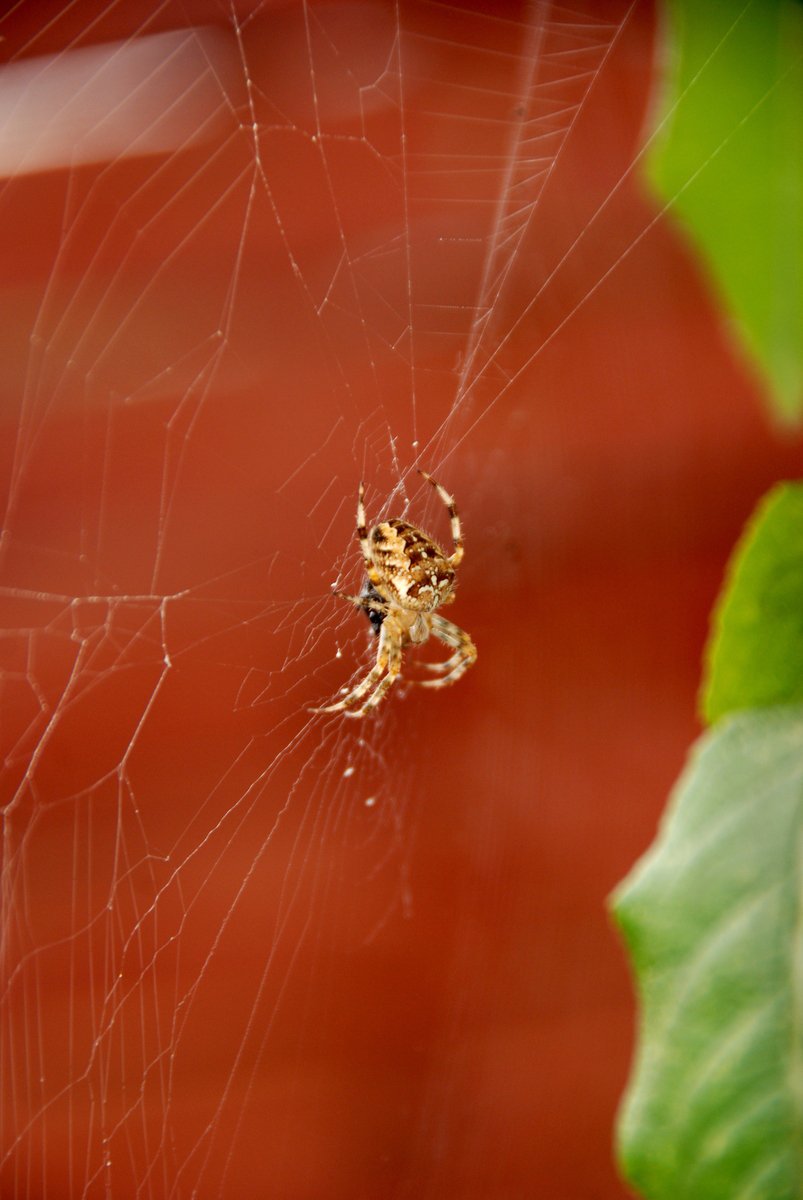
x=414, y=570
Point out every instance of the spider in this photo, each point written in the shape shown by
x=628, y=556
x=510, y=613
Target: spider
x=409, y=577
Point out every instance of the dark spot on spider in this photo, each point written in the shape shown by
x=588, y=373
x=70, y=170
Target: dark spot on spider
x=375, y=615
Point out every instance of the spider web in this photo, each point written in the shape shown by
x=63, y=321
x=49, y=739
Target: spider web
x=254, y=254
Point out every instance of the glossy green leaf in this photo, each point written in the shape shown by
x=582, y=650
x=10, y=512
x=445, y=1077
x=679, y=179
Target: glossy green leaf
x=712, y=920
x=727, y=159
x=755, y=654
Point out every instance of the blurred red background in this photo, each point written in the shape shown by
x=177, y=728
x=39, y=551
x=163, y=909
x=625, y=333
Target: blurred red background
x=249, y=951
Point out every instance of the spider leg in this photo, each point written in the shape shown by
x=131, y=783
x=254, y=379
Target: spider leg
x=361, y=601
x=388, y=658
x=453, y=676
x=442, y=668
x=362, y=537
x=393, y=672
x=458, y=663
x=453, y=636
x=457, y=534
x=356, y=693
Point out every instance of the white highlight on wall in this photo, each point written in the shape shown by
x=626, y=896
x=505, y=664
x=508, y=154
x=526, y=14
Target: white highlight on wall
x=144, y=96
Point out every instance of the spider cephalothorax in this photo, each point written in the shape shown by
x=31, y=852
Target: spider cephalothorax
x=409, y=577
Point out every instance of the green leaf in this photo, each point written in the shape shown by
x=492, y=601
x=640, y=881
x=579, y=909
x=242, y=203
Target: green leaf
x=755, y=654
x=727, y=158
x=711, y=916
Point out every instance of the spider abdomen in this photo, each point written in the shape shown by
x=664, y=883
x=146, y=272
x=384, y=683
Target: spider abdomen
x=413, y=568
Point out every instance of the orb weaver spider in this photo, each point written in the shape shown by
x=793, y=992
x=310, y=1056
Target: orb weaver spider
x=409, y=577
